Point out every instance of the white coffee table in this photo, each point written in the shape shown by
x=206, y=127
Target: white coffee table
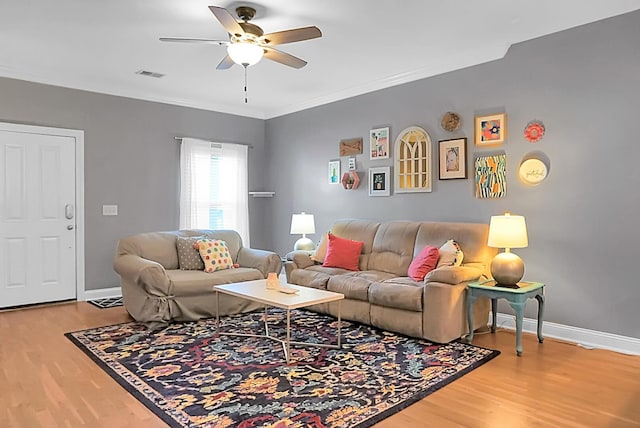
x=257, y=291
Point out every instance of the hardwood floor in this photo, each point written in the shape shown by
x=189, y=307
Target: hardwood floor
x=45, y=381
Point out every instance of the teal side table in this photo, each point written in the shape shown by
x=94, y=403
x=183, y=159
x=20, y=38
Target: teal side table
x=516, y=297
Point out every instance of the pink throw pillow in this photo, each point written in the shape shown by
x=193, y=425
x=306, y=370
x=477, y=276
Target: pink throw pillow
x=342, y=253
x=424, y=263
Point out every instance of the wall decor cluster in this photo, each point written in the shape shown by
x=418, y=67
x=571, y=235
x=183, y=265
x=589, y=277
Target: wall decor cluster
x=491, y=130
x=379, y=143
x=453, y=158
x=379, y=181
x=490, y=176
x=413, y=161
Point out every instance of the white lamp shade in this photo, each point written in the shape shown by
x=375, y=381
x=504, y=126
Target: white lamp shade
x=507, y=231
x=245, y=53
x=302, y=223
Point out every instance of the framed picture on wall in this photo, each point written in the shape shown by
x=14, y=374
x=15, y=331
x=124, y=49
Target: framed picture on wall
x=379, y=181
x=491, y=130
x=379, y=143
x=491, y=176
x=333, y=172
x=453, y=158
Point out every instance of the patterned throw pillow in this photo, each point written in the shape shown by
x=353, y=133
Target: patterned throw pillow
x=214, y=254
x=188, y=255
x=450, y=254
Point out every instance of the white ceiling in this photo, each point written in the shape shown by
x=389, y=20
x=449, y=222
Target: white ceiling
x=366, y=45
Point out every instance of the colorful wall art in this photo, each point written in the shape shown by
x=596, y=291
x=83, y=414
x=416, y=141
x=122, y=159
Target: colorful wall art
x=491, y=176
x=491, y=130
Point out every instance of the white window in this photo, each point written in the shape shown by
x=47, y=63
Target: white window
x=213, y=188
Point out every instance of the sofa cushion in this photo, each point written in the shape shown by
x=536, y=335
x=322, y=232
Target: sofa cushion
x=450, y=254
x=342, y=253
x=309, y=278
x=393, y=247
x=372, y=275
x=423, y=263
x=350, y=285
x=188, y=254
x=192, y=282
x=407, y=296
x=214, y=254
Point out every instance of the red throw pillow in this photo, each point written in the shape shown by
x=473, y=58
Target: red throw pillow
x=424, y=263
x=342, y=253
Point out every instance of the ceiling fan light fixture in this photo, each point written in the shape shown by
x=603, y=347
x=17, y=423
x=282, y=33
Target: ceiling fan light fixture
x=245, y=54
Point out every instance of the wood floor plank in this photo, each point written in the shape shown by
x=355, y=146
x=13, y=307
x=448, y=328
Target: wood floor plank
x=46, y=381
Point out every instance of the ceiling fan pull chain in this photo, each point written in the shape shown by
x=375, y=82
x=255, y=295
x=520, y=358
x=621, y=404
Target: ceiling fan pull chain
x=245, y=84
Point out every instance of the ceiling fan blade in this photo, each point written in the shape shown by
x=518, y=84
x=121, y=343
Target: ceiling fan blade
x=182, y=40
x=294, y=35
x=226, y=63
x=283, y=58
x=227, y=20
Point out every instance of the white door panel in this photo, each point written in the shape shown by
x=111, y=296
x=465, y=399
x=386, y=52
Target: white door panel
x=37, y=241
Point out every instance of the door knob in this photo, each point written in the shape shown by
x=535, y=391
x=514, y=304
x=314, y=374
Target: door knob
x=70, y=227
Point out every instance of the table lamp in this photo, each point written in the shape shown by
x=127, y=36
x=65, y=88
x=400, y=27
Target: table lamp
x=507, y=231
x=303, y=223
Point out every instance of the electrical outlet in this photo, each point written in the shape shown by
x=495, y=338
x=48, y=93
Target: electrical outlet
x=109, y=210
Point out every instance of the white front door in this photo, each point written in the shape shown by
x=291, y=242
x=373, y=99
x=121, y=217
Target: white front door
x=38, y=216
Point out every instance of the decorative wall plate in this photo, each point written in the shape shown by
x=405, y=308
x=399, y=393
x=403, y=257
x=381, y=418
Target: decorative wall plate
x=451, y=121
x=534, y=131
x=533, y=171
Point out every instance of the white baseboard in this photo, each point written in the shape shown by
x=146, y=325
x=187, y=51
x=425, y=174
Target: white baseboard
x=102, y=293
x=582, y=337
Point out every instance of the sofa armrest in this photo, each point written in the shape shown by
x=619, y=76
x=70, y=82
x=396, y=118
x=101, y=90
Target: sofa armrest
x=150, y=275
x=302, y=259
x=264, y=261
x=453, y=274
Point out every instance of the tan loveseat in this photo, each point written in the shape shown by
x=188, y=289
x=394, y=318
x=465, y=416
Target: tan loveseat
x=155, y=289
x=381, y=294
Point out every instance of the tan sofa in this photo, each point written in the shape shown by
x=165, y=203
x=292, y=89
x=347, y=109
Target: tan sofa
x=381, y=294
x=155, y=289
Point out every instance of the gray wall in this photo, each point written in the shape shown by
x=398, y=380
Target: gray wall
x=132, y=160
x=582, y=221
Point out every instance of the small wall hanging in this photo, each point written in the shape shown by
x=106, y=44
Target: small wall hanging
x=451, y=121
x=333, y=171
x=413, y=161
x=491, y=130
x=350, y=180
x=534, y=131
x=379, y=181
x=379, y=143
x=351, y=146
x=453, y=158
x=491, y=176
x=352, y=164
x=534, y=168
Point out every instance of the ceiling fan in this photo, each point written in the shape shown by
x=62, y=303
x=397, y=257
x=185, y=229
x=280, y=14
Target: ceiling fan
x=247, y=42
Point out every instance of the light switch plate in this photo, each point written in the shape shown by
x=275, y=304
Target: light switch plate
x=109, y=210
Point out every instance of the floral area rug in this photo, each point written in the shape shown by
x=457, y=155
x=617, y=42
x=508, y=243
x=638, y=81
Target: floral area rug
x=191, y=378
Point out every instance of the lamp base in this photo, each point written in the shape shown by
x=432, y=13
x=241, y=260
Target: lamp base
x=507, y=269
x=304, y=244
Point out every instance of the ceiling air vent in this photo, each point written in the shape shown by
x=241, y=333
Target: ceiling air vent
x=149, y=74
